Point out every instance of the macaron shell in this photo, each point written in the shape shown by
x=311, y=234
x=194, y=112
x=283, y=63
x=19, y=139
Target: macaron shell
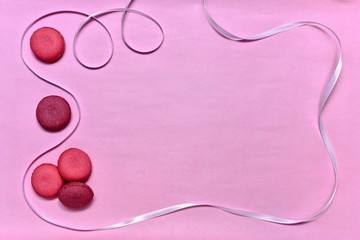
x=75, y=195
x=47, y=44
x=53, y=113
x=46, y=181
x=74, y=165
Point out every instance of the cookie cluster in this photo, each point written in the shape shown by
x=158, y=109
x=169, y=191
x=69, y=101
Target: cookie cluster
x=66, y=181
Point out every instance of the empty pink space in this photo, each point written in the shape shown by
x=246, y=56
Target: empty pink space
x=202, y=119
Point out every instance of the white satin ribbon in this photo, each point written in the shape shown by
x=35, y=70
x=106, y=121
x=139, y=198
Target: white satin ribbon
x=223, y=32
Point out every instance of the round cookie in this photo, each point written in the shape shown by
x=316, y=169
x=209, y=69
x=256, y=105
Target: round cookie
x=53, y=113
x=74, y=165
x=47, y=44
x=46, y=180
x=75, y=195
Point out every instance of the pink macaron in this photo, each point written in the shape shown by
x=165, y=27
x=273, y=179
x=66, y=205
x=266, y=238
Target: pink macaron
x=46, y=180
x=74, y=165
x=75, y=195
x=53, y=113
x=47, y=44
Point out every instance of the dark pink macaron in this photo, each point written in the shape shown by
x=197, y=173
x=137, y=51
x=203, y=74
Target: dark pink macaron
x=74, y=165
x=53, y=113
x=47, y=44
x=46, y=180
x=75, y=195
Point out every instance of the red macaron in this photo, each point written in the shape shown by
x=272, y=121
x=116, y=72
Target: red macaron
x=46, y=180
x=53, y=113
x=75, y=195
x=74, y=165
x=47, y=44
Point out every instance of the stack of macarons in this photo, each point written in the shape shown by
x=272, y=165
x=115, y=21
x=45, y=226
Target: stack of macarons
x=66, y=181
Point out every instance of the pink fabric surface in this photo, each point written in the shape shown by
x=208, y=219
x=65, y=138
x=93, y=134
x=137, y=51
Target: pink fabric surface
x=202, y=119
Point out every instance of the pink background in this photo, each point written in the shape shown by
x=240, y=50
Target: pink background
x=203, y=119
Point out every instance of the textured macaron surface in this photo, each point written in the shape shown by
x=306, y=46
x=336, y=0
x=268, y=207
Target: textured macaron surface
x=47, y=44
x=53, y=113
x=74, y=165
x=75, y=195
x=46, y=180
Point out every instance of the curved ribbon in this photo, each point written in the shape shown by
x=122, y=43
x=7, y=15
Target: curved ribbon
x=223, y=32
x=108, y=11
